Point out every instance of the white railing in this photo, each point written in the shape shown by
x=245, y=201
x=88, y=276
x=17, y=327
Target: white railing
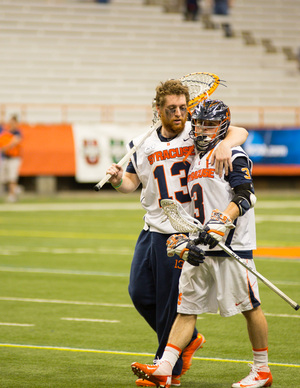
x=260, y=116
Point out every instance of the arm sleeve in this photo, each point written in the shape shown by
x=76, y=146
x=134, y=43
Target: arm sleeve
x=130, y=168
x=242, y=171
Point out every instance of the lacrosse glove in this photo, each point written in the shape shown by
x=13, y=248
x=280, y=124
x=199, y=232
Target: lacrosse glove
x=186, y=249
x=214, y=230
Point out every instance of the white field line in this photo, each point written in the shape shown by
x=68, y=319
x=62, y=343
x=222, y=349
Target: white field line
x=72, y=302
x=268, y=218
x=105, y=304
x=89, y=320
x=36, y=207
x=277, y=204
x=267, y=314
x=10, y=250
x=259, y=218
x=286, y=283
x=281, y=315
x=50, y=271
x=126, y=353
x=73, y=206
x=16, y=324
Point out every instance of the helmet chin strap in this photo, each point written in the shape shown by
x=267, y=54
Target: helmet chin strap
x=205, y=140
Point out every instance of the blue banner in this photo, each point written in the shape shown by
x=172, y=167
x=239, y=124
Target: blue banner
x=274, y=146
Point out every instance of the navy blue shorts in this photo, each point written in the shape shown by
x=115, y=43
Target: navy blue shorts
x=153, y=286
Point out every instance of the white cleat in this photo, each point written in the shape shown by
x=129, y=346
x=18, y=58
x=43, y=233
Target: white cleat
x=258, y=377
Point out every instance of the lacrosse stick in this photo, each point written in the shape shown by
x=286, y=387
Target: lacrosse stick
x=200, y=86
x=184, y=223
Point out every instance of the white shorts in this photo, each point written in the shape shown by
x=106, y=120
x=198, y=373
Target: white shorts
x=9, y=169
x=220, y=283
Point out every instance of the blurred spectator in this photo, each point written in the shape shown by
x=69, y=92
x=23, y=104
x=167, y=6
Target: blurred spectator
x=10, y=146
x=191, y=10
x=221, y=7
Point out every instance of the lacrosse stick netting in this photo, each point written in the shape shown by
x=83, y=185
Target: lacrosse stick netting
x=184, y=223
x=200, y=86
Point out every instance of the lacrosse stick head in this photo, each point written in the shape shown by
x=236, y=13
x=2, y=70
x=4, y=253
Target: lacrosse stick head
x=201, y=85
x=180, y=220
x=210, y=122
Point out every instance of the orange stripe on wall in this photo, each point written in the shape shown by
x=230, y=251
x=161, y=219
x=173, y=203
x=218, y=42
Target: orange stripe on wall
x=47, y=150
x=288, y=169
x=285, y=252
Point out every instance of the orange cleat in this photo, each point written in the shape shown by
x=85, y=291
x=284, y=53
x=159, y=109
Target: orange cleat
x=160, y=374
x=175, y=382
x=189, y=351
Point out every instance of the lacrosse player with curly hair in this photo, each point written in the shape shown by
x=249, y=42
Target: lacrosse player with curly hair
x=161, y=166
x=219, y=283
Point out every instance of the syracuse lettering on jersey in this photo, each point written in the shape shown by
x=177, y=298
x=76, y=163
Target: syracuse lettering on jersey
x=202, y=173
x=169, y=154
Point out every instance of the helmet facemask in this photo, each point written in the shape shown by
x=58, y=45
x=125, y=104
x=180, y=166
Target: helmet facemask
x=210, y=121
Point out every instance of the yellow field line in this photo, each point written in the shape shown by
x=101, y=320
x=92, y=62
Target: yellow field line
x=133, y=354
x=280, y=252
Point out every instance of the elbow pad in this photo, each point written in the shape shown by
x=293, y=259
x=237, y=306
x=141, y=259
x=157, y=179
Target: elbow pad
x=244, y=197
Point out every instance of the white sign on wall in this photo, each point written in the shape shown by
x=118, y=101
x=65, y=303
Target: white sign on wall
x=97, y=146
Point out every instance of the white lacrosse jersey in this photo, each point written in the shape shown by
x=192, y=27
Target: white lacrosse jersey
x=161, y=168
x=208, y=192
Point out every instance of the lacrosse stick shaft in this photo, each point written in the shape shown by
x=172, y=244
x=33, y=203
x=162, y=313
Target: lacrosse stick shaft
x=121, y=163
x=127, y=157
x=199, y=84
x=183, y=223
x=261, y=277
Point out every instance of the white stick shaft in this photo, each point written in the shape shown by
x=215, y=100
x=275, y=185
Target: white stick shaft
x=121, y=163
x=183, y=222
x=261, y=277
x=127, y=156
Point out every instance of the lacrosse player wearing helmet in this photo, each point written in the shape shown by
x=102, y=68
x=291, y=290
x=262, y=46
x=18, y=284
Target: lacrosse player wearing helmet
x=219, y=283
x=158, y=166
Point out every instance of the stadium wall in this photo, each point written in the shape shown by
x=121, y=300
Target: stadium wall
x=77, y=155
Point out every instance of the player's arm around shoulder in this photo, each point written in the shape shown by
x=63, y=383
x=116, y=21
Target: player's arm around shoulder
x=122, y=182
x=221, y=157
x=236, y=136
